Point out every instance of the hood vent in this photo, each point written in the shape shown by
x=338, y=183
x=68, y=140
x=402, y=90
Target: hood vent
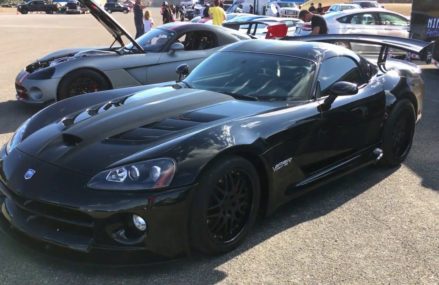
x=158, y=130
x=71, y=140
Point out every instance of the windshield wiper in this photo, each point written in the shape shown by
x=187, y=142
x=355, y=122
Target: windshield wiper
x=186, y=84
x=241, y=96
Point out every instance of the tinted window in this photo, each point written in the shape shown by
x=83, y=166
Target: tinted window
x=154, y=40
x=338, y=69
x=392, y=20
x=261, y=76
x=363, y=19
x=199, y=40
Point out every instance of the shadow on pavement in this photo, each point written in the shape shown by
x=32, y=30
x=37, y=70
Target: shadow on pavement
x=424, y=156
x=13, y=113
x=306, y=208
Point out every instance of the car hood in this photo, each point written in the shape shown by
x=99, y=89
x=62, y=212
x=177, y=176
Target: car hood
x=110, y=24
x=104, y=134
x=65, y=55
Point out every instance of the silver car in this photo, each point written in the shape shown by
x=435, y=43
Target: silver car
x=150, y=59
x=341, y=7
x=363, y=21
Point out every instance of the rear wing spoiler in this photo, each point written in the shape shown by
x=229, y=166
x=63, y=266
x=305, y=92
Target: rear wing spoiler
x=275, y=30
x=421, y=48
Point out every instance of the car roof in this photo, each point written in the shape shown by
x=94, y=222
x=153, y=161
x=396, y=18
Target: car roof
x=367, y=10
x=314, y=51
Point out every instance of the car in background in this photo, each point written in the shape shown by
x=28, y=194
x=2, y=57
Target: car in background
x=151, y=58
x=341, y=7
x=116, y=7
x=189, y=166
x=374, y=21
x=262, y=27
x=367, y=4
x=37, y=6
x=73, y=7
x=281, y=9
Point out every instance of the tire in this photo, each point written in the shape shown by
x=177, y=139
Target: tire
x=398, y=133
x=24, y=12
x=80, y=82
x=125, y=11
x=225, y=205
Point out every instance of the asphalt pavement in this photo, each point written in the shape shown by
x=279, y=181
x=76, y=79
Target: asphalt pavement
x=376, y=226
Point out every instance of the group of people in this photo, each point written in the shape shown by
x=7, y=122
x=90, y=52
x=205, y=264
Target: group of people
x=314, y=10
x=215, y=13
x=144, y=21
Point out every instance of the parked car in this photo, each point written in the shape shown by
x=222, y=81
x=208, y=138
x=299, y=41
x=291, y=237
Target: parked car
x=341, y=7
x=37, y=6
x=264, y=27
x=365, y=4
x=281, y=9
x=190, y=165
x=116, y=7
x=73, y=7
x=149, y=59
x=360, y=21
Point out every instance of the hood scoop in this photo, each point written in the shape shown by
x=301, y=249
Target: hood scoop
x=152, y=132
x=71, y=140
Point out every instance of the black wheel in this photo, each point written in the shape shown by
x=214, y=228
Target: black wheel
x=125, y=11
x=225, y=205
x=80, y=82
x=398, y=133
x=24, y=11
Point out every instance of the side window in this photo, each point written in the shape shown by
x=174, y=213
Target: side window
x=337, y=69
x=393, y=20
x=200, y=40
x=344, y=20
x=363, y=19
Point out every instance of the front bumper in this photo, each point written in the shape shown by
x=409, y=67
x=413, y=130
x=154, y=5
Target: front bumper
x=85, y=220
x=35, y=91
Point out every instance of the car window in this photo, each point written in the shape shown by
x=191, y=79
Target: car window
x=393, y=20
x=265, y=77
x=340, y=68
x=363, y=19
x=198, y=40
x=154, y=40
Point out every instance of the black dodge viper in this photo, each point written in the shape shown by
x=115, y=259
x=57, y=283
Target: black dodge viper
x=170, y=168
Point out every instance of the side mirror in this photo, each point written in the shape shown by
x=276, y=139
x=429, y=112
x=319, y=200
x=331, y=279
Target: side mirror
x=343, y=88
x=176, y=47
x=182, y=71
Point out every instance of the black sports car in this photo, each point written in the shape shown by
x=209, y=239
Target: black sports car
x=191, y=165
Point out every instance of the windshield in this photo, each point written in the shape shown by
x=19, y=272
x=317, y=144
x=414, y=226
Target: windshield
x=154, y=40
x=254, y=76
x=286, y=5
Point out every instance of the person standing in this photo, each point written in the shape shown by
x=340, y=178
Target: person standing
x=312, y=9
x=138, y=18
x=166, y=13
x=320, y=9
x=147, y=21
x=217, y=13
x=318, y=23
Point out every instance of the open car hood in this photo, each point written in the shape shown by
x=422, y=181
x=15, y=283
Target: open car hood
x=110, y=24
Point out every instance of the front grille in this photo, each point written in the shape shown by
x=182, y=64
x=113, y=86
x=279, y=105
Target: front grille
x=21, y=91
x=61, y=225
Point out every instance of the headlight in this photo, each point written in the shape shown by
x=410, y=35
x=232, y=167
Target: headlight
x=150, y=174
x=17, y=137
x=45, y=73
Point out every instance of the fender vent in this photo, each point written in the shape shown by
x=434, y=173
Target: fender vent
x=71, y=140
